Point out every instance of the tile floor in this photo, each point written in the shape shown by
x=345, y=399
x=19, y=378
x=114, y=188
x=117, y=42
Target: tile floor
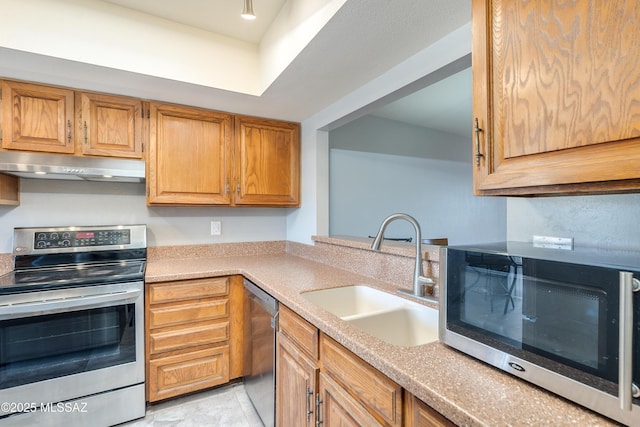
x=228, y=406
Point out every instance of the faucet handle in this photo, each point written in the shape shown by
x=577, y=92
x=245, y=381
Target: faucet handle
x=426, y=280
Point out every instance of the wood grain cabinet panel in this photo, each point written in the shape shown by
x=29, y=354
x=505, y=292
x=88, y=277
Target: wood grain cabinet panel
x=189, y=156
x=109, y=125
x=176, y=375
x=555, y=93
x=37, y=117
x=9, y=190
x=299, y=331
x=186, y=289
x=190, y=311
x=193, y=335
x=296, y=385
x=267, y=162
x=380, y=395
x=419, y=414
x=179, y=338
x=340, y=409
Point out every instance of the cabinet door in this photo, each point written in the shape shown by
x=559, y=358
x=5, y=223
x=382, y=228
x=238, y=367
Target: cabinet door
x=296, y=388
x=37, y=118
x=9, y=190
x=555, y=92
x=339, y=409
x=381, y=396
x=267, y=162
x=109, y=125
x=189, y=156
x=419, y=414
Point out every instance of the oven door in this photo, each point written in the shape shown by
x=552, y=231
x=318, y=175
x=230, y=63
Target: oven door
x=63, y=344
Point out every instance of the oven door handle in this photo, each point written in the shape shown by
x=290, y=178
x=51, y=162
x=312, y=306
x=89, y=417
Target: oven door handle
x=38, y=308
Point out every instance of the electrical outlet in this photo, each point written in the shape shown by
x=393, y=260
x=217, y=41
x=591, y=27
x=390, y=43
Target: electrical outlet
x=216, y=228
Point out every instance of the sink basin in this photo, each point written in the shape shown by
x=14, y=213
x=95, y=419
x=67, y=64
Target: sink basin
x=353, y=300
x=388, y=317
x=404, y=327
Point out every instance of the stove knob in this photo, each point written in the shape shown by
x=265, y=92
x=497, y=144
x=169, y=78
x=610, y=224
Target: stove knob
x=66, y=243
x=42, y=236
x=66, y=235
x=54, y=236
x=41, y=244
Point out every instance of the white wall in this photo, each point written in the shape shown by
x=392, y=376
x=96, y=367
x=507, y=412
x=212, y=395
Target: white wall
x=52, y=203
x=609, y=221
x=311, y=218
x=421, y=172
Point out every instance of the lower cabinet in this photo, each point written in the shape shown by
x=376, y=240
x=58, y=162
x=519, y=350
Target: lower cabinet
x=296, y=371
x=339, y=408
x=419, y=414
x=320, y=382
x=193, y=335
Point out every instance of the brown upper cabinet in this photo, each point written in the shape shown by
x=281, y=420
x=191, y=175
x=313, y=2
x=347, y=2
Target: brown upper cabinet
x=109, y=125
x=555, y=94
x=267, y=162
x=37, y=118
x=196, y=158
x=42, y=118
x=189, y=156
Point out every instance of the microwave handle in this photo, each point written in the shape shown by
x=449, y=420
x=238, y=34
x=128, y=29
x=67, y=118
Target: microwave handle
x=626, y=389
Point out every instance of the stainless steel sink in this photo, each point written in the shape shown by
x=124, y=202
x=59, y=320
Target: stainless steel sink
x=388, y=317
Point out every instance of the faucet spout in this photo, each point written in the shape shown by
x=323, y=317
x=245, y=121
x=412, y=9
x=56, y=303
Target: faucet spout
x=419, y=280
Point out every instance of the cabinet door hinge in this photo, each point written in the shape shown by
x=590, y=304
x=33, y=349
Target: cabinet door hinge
x=143, y=147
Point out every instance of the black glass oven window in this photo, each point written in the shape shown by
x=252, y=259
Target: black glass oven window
x=43, y=347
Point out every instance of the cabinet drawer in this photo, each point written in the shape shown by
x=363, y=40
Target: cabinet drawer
x=188, y=289
x=184, y=337
x=301, y=332
x=378, y=393
x=175, y=375
x=188, y=312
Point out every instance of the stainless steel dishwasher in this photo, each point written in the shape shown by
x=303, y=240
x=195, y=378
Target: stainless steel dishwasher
x=260, y=325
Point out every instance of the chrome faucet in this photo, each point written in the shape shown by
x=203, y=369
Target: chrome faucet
x=419, y=280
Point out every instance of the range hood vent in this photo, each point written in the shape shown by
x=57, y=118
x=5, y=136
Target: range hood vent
x=57, y=166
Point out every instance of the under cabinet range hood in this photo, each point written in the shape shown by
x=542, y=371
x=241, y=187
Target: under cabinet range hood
x=58, y=166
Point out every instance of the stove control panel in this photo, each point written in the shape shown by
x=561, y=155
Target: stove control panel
x=75, y=239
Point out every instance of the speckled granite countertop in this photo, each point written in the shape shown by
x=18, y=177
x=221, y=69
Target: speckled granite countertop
x=463, y=389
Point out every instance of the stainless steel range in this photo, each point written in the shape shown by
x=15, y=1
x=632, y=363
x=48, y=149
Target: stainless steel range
x=72, y=327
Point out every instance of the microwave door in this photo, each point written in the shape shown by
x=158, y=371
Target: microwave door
x=569, y=322
x=564, y=321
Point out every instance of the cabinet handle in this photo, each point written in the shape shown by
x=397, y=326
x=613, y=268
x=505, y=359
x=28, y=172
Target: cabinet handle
x=85, y=131
x=238, y=189
x=309, y=397
x=318, y=403
x=479, y=155
x=69, y=130
x=226, y=187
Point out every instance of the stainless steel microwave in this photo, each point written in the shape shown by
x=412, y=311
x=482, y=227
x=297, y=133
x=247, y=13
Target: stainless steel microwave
x=565, y=320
